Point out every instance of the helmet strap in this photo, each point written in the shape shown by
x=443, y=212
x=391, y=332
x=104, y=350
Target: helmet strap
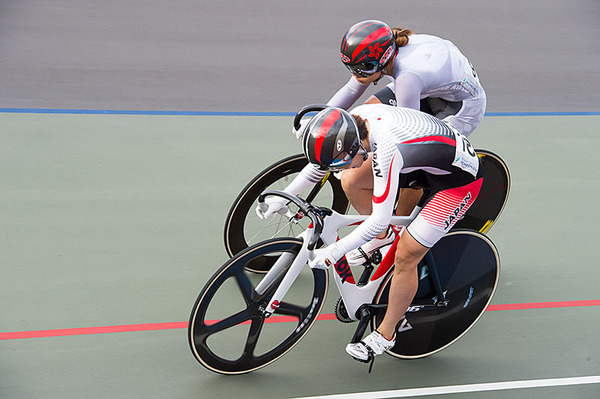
x=379, y=78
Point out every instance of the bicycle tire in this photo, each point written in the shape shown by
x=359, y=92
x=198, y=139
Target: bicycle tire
x=244, y=228
x=492, y=197
x=218, y=329
x=468, y=265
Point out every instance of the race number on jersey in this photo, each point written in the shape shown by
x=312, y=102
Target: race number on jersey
x=465, y=156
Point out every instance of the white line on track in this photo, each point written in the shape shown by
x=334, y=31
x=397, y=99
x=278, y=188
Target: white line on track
x=450, y=389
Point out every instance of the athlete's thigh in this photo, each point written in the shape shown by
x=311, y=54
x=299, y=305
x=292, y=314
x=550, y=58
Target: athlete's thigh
x=407, y=200
x=469, y=116
x=442, y=212
x=409, y=251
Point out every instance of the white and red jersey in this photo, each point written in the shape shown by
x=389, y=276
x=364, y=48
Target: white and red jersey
x=429, y=66
x=402, y=140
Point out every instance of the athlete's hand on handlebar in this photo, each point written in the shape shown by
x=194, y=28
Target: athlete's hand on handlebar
x=325, y=257
x=271, y=206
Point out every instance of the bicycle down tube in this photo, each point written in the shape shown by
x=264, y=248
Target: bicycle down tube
x=354, y=296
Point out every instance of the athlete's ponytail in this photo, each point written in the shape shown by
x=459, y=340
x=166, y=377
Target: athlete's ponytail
x=401, y=36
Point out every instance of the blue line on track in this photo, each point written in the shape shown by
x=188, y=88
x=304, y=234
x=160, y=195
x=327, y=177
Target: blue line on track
x=136, y=112
x=234, y=113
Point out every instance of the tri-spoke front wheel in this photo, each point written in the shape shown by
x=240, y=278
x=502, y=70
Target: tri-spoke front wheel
x=228, y=332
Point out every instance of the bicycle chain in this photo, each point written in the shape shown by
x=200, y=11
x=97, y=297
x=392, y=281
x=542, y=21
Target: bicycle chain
x=341, y=313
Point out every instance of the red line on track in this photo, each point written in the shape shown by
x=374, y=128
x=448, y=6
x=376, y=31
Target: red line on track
x=63, y=332
x=544, y=305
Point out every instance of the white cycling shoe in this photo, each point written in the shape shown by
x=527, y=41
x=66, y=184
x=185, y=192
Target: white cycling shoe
x=358, y=257
x=374, y=344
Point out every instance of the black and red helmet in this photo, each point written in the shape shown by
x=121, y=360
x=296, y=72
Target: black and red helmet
x=367, y=47
x=331, y=139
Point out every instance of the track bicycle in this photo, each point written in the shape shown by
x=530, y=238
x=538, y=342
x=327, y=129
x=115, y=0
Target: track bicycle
x=243, y=321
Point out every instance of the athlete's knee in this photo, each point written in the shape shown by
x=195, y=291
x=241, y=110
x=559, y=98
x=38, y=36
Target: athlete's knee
x=405, y=261
x=409, y=253
x=349, y=181
x=357, y=179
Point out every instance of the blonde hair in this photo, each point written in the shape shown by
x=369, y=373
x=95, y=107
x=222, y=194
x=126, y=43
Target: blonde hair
x=401, y=36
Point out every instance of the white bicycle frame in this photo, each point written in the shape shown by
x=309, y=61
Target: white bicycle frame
x=353, y=295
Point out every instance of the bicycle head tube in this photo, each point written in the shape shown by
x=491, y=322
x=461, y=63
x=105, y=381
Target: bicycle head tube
x=314, y=213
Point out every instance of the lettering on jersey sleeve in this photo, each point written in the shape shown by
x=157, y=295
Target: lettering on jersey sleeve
x=376, y=168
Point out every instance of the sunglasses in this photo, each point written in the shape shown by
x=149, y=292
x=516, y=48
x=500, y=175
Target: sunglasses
x=363, y=69
x=341, y=164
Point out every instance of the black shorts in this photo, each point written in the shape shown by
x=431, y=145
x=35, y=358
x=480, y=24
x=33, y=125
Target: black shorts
x=436, y=183
x=435, y=106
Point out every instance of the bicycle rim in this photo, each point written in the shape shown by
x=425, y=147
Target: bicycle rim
x=492, y=198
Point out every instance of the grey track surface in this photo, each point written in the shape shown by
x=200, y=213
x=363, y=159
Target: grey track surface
x=237, y=55
x=112, y=220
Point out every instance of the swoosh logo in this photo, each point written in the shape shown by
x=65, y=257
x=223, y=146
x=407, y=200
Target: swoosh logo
x=383, y=197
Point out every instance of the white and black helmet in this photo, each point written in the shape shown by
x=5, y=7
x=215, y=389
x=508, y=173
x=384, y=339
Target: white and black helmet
x=331, y=139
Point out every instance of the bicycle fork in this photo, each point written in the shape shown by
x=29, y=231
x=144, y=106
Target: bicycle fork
x=290, y=276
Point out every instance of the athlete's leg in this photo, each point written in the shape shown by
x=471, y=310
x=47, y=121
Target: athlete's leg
x=407, y=200
x=358, y=186
x=436, y=219
x=404, y=283
x=441, y=108
x=469, y=116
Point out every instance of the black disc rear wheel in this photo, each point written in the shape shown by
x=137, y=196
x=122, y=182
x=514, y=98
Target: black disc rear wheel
x=468, y=267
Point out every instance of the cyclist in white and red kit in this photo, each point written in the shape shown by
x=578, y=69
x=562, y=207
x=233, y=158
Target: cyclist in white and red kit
x=403, y=144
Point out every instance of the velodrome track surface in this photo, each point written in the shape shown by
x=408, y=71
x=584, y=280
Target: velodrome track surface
x=112, y=222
